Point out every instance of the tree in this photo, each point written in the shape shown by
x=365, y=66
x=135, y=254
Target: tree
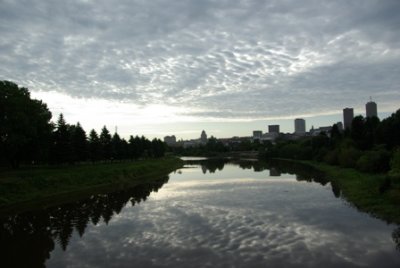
x=79, y=142
x=105, y=141
x=358, y=131
x=117, y=150
x=62, y=151
x=158, y=148
x=335, y=133
x=94, y=146
x=24, y=125
x=388, y=131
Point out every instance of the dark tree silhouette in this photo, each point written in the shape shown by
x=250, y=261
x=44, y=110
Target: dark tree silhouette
x=94, y=146
x=79, y=143
x=158, y=148
x=24, y=125
x=116, y=147
x=105, y=141
x=62, y=150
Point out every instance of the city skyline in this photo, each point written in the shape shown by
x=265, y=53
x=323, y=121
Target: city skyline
x=300, y=124
x=175, y=68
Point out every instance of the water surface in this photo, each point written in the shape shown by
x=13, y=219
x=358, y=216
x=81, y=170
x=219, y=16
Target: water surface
x=208, y=214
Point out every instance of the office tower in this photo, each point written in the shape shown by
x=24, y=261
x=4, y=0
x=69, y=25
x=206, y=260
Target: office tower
x=273, y=129
x=257, y=134
x=170, y=140
x=348, y=115
x=299, y=126
x=203, y=137
x=371, y=109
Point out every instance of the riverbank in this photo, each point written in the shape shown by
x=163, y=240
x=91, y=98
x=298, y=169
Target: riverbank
x=41, y=187
x=376, y=194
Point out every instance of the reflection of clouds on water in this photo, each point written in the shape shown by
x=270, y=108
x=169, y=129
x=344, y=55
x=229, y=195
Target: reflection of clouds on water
x=259, y=223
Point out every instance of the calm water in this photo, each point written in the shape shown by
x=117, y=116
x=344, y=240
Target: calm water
x=213, y=214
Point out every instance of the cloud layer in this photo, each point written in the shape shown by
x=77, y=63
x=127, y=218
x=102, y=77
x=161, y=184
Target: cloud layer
x=213, y=58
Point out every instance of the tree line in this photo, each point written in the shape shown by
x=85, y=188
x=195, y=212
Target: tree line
x=28, y=136
x=370, y=145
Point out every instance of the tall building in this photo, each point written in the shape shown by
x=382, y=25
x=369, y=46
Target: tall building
x=203, y=137
x=371, y=109
x=170, y=140
x=257, y=135
x=348, y=115
x=299, y=126
x=273, y=129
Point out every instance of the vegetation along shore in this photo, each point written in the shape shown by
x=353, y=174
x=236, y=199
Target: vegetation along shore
x=43, y=163
x=376, y=194
x=47, y=186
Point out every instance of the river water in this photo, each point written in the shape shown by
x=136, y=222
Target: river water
x=207, y=214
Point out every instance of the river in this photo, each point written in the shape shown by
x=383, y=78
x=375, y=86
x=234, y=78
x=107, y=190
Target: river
x=207, y=214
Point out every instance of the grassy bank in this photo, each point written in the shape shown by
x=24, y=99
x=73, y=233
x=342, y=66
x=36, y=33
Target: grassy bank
x=48, y=186
x=377, y=194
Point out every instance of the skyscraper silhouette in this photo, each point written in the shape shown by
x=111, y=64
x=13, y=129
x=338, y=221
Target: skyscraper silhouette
x=371, y=109
x=348, y=115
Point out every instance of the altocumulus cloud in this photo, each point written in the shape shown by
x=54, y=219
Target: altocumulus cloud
x=214, y=58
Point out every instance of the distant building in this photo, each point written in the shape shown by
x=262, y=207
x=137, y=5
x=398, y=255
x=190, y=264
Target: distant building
x=318, y=131
x=300, y=126
x=203, y=137
x=273, y=129
x=339, y=126
x=170, y=140
x=257, y=135
x=271, y=136
x=190, y=143
x=371, y=109
x=348, y=115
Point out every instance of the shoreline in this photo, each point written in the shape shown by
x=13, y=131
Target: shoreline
x=31, y=189
x=375, y=194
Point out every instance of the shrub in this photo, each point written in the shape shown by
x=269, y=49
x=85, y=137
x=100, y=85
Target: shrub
x=374, y=161
x=348, y=157
x=395, y=163
x=331, y=158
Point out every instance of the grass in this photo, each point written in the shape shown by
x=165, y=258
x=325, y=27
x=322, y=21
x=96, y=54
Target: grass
x=29, y=188
x=377, y=194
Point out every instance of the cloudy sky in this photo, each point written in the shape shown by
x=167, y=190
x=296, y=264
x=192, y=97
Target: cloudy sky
x=176, y=67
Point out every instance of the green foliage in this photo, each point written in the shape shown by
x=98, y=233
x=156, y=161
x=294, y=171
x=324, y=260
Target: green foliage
x=373, y=193
x=388, y=131
x=295, y=151
x=374, y=161
x=332, y=157
x=64, y=182
x=348, y=157
x=395, y=164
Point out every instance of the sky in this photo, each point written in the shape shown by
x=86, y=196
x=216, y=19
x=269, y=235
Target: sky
x=165, y=67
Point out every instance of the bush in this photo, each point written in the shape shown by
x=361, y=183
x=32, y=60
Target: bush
x=374, y=161
x=320, y=154
x=295, y=151
x=348, y=157
x=395, y=163
x=332, y=158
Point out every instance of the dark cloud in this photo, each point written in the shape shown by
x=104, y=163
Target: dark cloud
x=247, y=59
